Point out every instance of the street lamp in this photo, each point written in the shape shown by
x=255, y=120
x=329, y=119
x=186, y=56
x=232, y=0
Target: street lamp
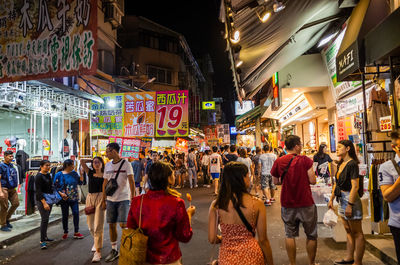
x=148, y=82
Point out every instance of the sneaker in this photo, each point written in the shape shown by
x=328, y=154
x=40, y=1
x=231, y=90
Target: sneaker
x=49, y=240
x=93, y=249
x=208, y=186
x=273, y=200
x=267, y=203
x=5, y=229
x=78, y=236
x=65, y=236
x=43, y=245
x=96, y=257
x=112, y=256
x=9, y=225
x=196, y=186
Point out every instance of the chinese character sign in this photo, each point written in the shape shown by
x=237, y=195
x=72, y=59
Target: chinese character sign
x=108, y=118
x=130, y=148
x=172, y=115
x=385, y=124
x=47, y=38
x=139, y=114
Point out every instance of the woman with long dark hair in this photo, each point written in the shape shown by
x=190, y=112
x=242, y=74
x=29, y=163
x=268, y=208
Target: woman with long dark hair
x=323, y=160
x=67, y=181
x=348, y=189
x=95, y=200
x=240, y=216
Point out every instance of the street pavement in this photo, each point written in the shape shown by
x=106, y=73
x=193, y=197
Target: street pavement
x=197, y=252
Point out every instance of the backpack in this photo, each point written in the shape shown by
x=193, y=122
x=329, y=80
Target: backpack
x=191, y=161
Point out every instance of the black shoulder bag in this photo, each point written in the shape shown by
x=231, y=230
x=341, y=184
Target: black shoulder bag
x=244, y=220
x=285, y=171
x=112, y=184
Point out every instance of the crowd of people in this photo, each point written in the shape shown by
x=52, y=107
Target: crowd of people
x=141, y=193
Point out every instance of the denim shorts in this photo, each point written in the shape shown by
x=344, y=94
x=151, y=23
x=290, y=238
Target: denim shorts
x=117, y=212
x=357, y=208
x=215, y=175
x=266, y=182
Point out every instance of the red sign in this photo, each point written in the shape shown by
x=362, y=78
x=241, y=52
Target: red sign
x=47, y=38
x=172, y=115
x=341, y=129
x=14, y=150
x=181, y=145
x=47, y=157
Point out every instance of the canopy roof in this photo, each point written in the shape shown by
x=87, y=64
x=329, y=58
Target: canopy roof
x=268, y=47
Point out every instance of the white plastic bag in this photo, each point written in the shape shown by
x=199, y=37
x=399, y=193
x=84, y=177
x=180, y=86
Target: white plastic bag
x=330, y=218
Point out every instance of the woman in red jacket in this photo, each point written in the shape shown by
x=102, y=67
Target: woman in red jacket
x=164, y=218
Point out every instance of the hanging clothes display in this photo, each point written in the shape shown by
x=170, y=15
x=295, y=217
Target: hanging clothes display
x=379, y=207
x=378, y=108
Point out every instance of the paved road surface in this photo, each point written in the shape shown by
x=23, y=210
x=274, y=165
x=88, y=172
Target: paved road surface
x=196, y=252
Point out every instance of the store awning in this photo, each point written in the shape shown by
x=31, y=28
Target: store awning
x=268, y=47
x=388, y=30
x=351, y=57
x=249, y=117
x=66, y=89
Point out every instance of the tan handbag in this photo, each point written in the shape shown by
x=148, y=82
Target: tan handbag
x=133, y=244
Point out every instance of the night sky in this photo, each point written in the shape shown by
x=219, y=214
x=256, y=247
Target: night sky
x=198, y=22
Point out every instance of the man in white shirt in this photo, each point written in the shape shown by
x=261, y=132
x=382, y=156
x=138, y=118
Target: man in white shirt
x=118, y=203
x=389, y=182
x=266, y=161
x=215, y=167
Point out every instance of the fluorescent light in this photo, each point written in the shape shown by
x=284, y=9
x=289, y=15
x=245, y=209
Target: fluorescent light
x=238, y=64
x=112, y=103
x=326, y=40
x=295, y=90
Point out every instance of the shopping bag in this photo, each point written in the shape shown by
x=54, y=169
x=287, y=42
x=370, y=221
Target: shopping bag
x=133, y=247
x=330, y=218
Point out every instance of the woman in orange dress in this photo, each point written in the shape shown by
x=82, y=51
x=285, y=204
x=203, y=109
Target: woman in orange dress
x=240, y=217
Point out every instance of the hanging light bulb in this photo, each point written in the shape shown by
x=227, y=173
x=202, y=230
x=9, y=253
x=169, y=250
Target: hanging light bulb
x=235, y=38
x=264, y=15
x=238, y=64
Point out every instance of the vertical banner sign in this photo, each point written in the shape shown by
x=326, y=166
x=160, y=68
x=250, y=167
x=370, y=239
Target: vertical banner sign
x=341, y=128
x=47, y=38
x=108, y=118
x=172, y=115
x=139, y=117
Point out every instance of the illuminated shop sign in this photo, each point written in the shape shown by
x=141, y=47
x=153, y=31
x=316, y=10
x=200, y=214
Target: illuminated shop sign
x=303, y=104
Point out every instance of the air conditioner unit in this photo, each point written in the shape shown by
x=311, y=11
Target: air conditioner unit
x=112, y=13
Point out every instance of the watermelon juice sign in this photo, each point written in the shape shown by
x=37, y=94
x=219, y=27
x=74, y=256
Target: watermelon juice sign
x=172, y=115
x=47, y=38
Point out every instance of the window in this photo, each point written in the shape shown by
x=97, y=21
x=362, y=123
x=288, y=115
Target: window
x=162, y=75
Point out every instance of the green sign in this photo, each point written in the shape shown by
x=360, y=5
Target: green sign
x=207, y=105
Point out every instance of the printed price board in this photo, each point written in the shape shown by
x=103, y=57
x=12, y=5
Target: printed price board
x=172, y=115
